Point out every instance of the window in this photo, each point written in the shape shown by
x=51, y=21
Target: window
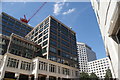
x=46, y=26
x=53, y=31
x=64, y=37
x=41, y=25
x=64, y=43
x=12, y=63
x=36, y=33
x=44, y=50
x=45, y=31
x=45, y=43
x=33, y=65
x=65, y=49
x=40, y=35
x=46, y=21
x=53, y=58
x=53, y=49
x=45, y=37
x=59, y=69
x=53, y=42
x=41, y=30
x=25, y=65
x=52, y=68
x=66, y=71
x=53, y=36
x=40, y=40
x=35, y=39
x=53, y=21
x=59, y=53
x=43, y=65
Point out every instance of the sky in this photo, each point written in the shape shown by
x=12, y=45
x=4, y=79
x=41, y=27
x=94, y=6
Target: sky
x=78, y=15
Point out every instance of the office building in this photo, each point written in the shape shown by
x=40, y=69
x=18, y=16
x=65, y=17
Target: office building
x=108, y=17
x=10, y=25
x=21, y=47
x=58, y=41
x=24, y=58
x=17, y=67
x=4, y=41
x=85, y=55
x=99, y=67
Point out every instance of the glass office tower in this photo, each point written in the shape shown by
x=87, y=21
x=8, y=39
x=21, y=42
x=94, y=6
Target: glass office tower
x=11, y=25
x=57, y=40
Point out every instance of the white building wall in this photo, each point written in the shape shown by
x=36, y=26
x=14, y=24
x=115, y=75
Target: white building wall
x=84, y=56
x=107, y=14
x=38, y=68
x=99, y=67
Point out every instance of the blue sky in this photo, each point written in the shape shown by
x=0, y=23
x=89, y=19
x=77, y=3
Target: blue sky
x=78, y=15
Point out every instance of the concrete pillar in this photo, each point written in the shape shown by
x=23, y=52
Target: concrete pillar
x=36, y=69
x=48, y=67
x=56, y=78
x=36, y=76
x=17, y=76
x=19, y=64
x=47, y=78
x=30, y=77
x=3, y=66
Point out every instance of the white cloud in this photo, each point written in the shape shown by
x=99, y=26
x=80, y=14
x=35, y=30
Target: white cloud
x=58, y=7
x=69, y=11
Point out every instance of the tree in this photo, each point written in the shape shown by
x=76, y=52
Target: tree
x=84, y=76
x=93, y=76
x=108, y=74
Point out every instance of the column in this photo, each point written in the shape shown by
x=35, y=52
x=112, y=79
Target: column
x=19, y=64
x=17, y=76
x=47, y=78
x=30, y=77
x=36, y=76
x=56, y=78
x=3, y=66
x=36, y=69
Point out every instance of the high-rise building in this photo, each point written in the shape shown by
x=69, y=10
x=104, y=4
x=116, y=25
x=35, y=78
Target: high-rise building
x=108, y=17
x=10, y=25
x=85, y=54
x=57, y=40
x=99, y=67
x=22, y=58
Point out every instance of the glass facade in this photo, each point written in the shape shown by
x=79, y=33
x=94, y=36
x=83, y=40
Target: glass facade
x=11, y=25
x=4, y=40
x=59, y=39
x=64, y=41
x=21, y=47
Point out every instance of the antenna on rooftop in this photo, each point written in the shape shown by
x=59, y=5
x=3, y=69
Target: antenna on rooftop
x=70, y=27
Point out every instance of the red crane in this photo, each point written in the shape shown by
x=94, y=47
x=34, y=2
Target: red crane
x=25, y=19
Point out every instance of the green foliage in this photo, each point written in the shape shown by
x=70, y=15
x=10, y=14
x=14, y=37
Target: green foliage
x=108, y=74
x=84, y=76
x=93, y=76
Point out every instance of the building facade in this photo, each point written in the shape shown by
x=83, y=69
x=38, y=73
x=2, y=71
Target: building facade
x=4, y=41
x=85, y=54
x=10, y=25
x=57, y=40
x=25, y=58
x=17, y=67
x=108, y=17
x=99, y=67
